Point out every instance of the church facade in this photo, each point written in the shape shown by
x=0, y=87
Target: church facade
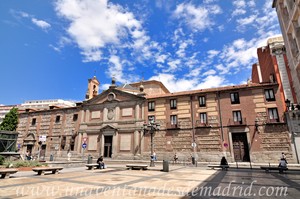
x=242, y=122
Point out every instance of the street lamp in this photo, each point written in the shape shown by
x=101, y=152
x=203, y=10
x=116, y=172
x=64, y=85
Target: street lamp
x=151, y=127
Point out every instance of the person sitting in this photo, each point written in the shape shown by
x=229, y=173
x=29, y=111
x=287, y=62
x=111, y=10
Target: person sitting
x=282, y=165
x=28, y=155
x=223, y=163
x=175, y=158
x=100, y=163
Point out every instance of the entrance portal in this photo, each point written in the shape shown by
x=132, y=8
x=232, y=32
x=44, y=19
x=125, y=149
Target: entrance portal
x=108, y=146
x=240, y=147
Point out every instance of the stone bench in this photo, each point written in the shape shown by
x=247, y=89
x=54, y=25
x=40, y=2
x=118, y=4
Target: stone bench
x=223, y=167
x=6, y=172
x=137, y=166
x=269, y=168
x=92, y=166
x=42, y=170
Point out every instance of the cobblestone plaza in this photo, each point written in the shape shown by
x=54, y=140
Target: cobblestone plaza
x=180, y=182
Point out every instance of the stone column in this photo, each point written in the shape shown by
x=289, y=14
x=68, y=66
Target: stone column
x=114, y=144
x=136, y=147
x=102, y=145
x=142, y=137
x=105, y=114
x=137, y=112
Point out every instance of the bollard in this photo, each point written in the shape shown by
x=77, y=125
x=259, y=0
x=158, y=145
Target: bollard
x=51, y=157
x=165, y=166
x=193, y=160
x=90, y=159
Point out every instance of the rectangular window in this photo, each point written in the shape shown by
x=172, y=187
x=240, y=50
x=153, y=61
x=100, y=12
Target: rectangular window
x=57, y=119
x=173, y=104
x=151, y=118
x=237, y=117
x=33, y=122
x=202, y=101
x=75, y=117
x=151, y=106
x=173, y=119
x=203, y=118
x=269, y=94
x=234, y=97
x=273, y=115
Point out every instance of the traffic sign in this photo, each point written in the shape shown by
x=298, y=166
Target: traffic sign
x=194, y=144
x=84, y=145
x=84, y=139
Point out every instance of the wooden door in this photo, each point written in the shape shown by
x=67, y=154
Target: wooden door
x=240, y=147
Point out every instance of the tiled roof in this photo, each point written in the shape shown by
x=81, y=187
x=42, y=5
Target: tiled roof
x=209, y=90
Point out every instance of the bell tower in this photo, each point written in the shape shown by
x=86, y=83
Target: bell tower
x=93, y=88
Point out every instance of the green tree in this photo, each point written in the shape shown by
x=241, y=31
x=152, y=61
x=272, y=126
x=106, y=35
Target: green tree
x=10, y=121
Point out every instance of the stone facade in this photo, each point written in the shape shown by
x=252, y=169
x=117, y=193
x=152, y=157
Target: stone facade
x=238, y=122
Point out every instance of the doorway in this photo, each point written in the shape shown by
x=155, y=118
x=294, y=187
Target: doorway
x=29, y=148
x=240, y=147
x=43, y=151
x=108, y=146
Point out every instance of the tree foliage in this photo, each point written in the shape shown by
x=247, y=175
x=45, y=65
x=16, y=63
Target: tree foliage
x=10, y=121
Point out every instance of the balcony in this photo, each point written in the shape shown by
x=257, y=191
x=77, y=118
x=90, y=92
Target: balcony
x=201, y=124
x=172, y=126
x=242, y=122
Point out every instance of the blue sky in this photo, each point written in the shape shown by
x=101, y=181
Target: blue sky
x=49, y=49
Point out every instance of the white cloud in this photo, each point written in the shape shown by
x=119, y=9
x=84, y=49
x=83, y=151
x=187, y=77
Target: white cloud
x=239, y=3
x=179, y=84
x=251, y=3
x=174, y=84
x=161, y=58
x=197, y=18
x=238, y=12
x=116, y=69
x=222, y=69
x=96, y=24
x=209, y=72
x=40, y=23
x=212, y=53
x=173, y=65
x=211, y=81
x=246, y=20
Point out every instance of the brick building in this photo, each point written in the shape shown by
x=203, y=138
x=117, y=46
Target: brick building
x=288, y=12
x=243, y=122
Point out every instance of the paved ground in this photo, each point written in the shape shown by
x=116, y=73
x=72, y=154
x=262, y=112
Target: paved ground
x=181, y=182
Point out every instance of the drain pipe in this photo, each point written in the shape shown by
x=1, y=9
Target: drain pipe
x=220, y=117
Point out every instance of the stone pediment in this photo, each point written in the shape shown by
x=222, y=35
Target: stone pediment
x=30, y=138
x=113, y=96
x=108, y=127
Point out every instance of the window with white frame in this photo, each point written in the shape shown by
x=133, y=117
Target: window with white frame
x=234, y=97
x=273, y=114
x=173, y=119
x=173, y=104
x=203, y=118
x=269, y=94
x=237, y=116
x=202, y=101
x=151, y=106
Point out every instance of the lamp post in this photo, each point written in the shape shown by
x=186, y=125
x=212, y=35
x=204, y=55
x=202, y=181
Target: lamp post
x=151, y=127
x=291, y=121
